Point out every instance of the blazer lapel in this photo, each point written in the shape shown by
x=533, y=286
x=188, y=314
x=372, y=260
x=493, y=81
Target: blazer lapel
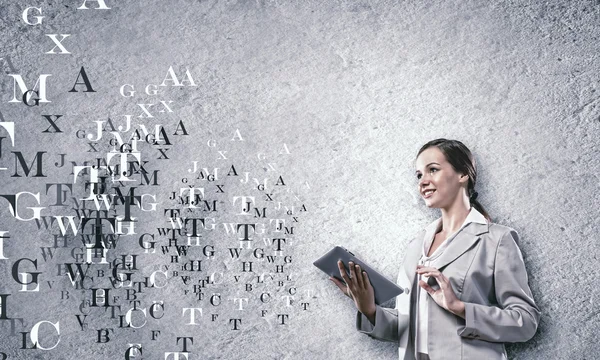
x=464, y=240
x=414, y=253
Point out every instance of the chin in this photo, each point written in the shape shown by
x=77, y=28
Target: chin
x=432, y=205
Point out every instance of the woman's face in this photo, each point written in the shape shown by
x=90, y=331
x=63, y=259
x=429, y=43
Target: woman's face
x=433, y=172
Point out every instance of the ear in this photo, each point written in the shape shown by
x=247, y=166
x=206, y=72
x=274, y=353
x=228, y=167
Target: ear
x=464, y=178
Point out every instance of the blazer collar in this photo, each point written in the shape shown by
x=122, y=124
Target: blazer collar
x=476, y=225
x=474, y=216
x=463, y=241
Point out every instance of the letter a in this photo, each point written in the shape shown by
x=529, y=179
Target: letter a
x=85, y=82
x=180, y=127
x=173, y=78
x=101, y=5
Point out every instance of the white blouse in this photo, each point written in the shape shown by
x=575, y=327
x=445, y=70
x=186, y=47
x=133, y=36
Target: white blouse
x=423, y=297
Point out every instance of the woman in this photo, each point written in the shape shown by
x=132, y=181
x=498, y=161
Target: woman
x=472, y=294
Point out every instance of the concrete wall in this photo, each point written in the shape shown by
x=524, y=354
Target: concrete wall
x=352, y=89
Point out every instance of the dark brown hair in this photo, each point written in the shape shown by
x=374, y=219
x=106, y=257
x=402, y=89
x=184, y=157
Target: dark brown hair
x=462, y=161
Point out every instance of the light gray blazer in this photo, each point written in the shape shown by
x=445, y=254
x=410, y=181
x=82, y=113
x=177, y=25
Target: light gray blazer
x=486, y=270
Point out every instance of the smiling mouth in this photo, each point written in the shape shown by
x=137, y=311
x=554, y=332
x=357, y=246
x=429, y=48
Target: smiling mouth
x=427, y=194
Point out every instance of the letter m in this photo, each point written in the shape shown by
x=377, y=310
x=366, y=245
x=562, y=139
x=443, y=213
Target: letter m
x=18, y=81
x=20, y=160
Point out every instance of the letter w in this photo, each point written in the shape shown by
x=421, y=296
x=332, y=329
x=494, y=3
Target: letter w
x=70, y=223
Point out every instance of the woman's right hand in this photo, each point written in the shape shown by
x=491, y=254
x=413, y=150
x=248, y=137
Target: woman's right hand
x=358, y=288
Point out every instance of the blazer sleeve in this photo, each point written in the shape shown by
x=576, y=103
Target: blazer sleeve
x=516, y=317
x=386, y=324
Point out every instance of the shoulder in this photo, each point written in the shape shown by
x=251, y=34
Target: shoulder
x=499, y=233
x=415, y=242
x=506, y=242
x=498, y=230
x=416, y=237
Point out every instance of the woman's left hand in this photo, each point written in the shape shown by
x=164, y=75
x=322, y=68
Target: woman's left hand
x=444, y=296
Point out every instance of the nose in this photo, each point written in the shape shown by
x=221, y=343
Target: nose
x=423, y=181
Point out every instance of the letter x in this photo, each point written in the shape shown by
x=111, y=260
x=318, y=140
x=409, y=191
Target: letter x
x=58, y=43
x=52, y=124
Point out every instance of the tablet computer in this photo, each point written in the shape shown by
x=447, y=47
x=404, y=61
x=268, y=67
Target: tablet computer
x=383, y=288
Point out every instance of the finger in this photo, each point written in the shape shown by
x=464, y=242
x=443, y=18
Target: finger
x=339, y=284
x=340, y=265
x=421, y=268
x=426, y=287
x=343, y=272
x=359, y=278
x=436, y=274
x=342, y=286
x=442, y=280
x=351, y=265
x=366, y=279
x=430, y=272
x=426, y=274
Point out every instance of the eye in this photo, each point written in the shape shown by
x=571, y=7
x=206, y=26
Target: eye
x=431, y=169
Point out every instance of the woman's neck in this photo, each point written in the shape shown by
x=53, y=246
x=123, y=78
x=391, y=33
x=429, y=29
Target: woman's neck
x=453, y=218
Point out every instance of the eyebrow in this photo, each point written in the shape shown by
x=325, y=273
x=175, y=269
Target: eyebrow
x=427, y=165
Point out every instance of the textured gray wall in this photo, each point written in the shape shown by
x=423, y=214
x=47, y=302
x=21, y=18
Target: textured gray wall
x=353, y=89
